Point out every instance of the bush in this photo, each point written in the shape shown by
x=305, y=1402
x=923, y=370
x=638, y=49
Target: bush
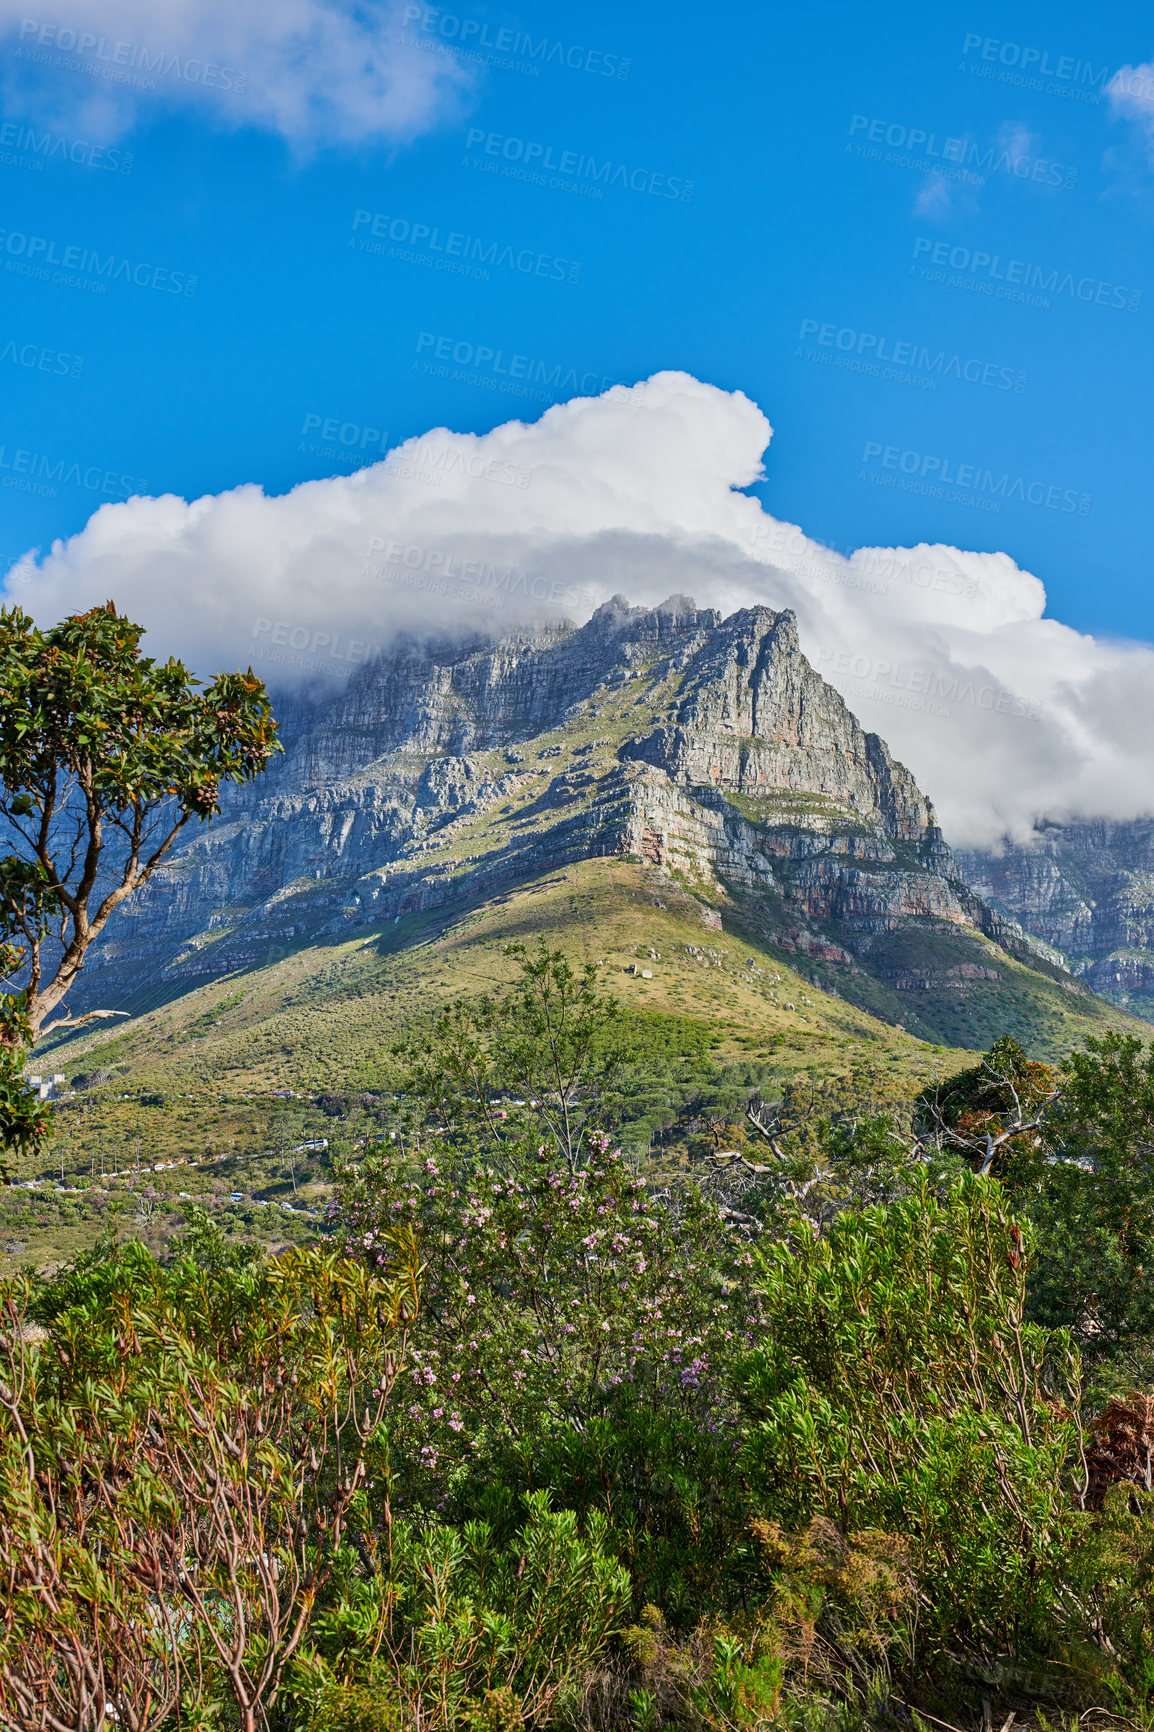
x=577, y=1336
x=462, y=1631
x=181, y=1453
x=898, y=1388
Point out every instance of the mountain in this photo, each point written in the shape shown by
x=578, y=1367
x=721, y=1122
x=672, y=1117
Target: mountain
x=1086, y=890
x=706, y=751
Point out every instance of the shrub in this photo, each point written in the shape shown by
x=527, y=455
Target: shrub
x=462, y=1631
x=181, y=1454
x=574, y=1335
x=898, y=1388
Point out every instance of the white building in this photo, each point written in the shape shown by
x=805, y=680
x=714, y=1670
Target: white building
x=46, y=1088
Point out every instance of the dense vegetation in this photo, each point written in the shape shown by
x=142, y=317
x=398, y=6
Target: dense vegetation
x=835, y=1419
x=587, y=1380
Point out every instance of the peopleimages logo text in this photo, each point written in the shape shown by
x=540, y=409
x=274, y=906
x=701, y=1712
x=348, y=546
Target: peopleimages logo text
x=458, y=251
x=926, y=473
x=434, y=561
x=300, y=637
x=332, y=428
x=875, y=674
x=962, y=153
x=875, y=348
x=484, y=358
x=128, y=55
x=1038, y=279
x=31, y=255
x=1034, y=61
x=33, y=472
x=51, y=146
x=580, y=166
x=471, y=33
x=39, y=359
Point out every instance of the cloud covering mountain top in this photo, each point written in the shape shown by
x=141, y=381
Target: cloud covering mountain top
x=1003, y=715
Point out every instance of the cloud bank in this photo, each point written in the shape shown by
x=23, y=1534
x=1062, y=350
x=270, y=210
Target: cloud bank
x=1003, y=715
x=315, y=71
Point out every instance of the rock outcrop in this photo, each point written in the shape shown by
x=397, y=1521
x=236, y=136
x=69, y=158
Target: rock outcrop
x=1086, y=890
x=708, y=749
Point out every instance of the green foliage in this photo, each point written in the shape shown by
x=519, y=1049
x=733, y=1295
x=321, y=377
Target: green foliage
x=1093, y=1203
x=541, y=1046
x=1006, y=1078
x=899, y=1388
x=573, y=1335
x=25, y=1120
x=788, y=1447
x=463, y=1631
x=1113, y=1571
x=721, y=1678
x=182, y=1450
x=105, y=755
x=79, y=699
x=205, y=1244
x=996, y=1114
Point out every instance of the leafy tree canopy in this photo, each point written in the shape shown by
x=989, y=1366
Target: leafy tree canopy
x=105, y=756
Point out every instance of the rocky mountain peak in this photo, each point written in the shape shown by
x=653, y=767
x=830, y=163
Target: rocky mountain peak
x=706, y=750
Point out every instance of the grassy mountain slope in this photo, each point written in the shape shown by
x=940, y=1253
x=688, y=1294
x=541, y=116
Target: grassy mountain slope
x=322, y=1015
x=195, y=1077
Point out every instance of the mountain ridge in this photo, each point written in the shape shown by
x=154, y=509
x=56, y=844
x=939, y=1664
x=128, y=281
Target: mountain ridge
x=708, y=750
x=1084, y=889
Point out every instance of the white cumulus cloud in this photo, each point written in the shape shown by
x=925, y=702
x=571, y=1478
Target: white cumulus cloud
x=1004, y=716
x=315, y=71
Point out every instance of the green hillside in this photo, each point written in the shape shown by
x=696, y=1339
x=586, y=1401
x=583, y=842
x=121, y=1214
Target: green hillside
x=226, y=1080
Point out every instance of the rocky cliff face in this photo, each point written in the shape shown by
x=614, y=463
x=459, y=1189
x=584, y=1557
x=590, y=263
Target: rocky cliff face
x=707, y=749
x=1087, y=891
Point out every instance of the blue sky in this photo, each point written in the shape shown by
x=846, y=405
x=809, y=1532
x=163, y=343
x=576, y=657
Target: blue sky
x=751, y=232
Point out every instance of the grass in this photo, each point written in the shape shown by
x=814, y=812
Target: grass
x=196, y=1078
x=211, y=1082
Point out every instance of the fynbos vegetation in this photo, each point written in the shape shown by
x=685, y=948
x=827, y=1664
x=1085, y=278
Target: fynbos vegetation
x=611, y=1387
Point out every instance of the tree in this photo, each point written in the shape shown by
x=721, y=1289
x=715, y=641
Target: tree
x=105, y=756
x=535, y=1063
x=1092, y=1204
x=25, y=1120
x=995, y=1114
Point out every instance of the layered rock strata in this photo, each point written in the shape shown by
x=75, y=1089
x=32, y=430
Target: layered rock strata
x=706, y=748
x=1086, y=890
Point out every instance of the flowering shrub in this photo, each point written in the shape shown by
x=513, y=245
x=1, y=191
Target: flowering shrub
x=573, y=1334
x=182, y=1453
